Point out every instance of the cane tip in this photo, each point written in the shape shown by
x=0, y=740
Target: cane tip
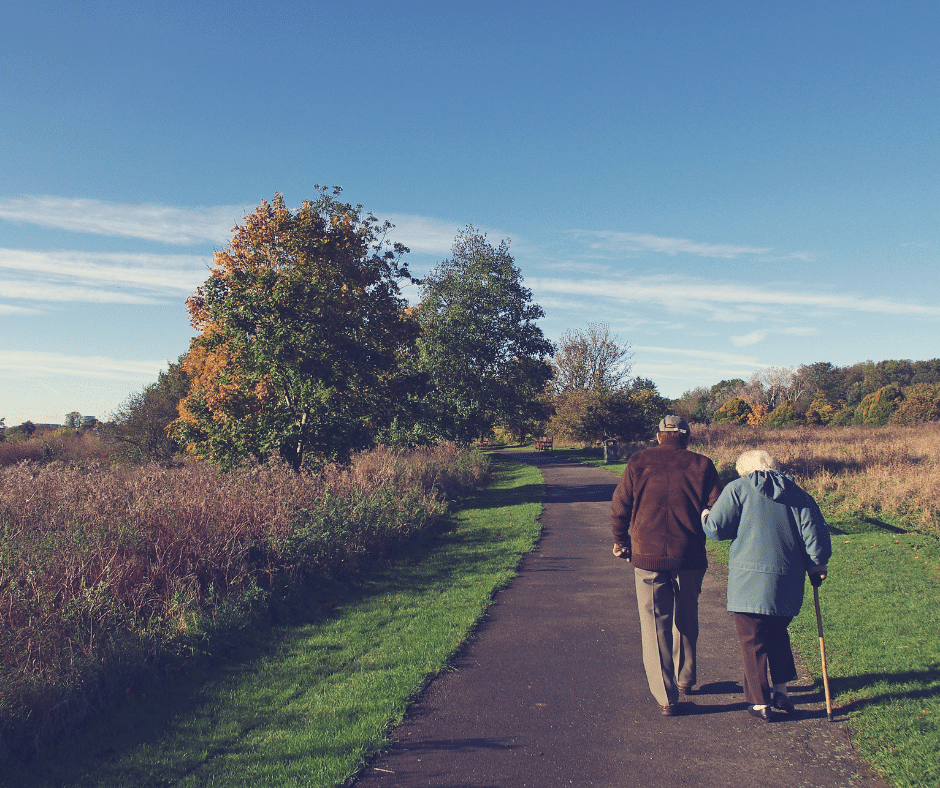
x=829, y=717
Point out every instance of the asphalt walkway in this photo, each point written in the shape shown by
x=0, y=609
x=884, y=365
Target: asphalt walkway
x=551, y=691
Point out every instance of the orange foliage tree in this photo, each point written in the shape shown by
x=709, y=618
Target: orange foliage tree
x=301, y=325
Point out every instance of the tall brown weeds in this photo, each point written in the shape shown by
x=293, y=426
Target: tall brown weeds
x=889, y=471
x=106, y=572
x=50, y=446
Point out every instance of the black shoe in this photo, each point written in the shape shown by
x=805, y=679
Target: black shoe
x=782, y=702
x=763, y=714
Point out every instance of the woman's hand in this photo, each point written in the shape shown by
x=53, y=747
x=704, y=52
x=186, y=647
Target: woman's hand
x=817, y=574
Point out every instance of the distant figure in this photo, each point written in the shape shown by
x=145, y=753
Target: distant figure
x=657, y=525
x=778, y=535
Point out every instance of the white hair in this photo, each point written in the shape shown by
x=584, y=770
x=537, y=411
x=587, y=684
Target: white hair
x=755, y=460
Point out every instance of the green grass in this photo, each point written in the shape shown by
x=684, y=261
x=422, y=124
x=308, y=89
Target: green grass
x=881, y=624
x=304, y=705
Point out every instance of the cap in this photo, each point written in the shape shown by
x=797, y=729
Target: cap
x=673, y=424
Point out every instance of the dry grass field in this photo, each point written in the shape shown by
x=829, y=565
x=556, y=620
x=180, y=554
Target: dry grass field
x=107, y=571
x=891, y=471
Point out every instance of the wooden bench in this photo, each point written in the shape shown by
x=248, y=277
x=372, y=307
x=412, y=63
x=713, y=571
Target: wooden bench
x=544, y=444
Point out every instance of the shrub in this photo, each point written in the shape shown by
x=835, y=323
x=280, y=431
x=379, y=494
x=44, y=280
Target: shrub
x=734, y=411
x=781, y=416
x=920, y=404
x=876, y=408
x=820, y=410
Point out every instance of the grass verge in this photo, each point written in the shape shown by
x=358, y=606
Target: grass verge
x=881, y=615
x=305, y=705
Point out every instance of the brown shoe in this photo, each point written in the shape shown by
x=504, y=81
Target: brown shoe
x=670, y=710
x=686, y=690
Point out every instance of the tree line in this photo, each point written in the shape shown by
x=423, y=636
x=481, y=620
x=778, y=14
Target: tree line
x=870, y=393
x=306, y=347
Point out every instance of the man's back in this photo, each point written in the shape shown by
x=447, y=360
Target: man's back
x=657, y=506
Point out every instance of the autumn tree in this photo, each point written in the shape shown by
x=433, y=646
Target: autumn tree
x=481, y=352
x=301, y=325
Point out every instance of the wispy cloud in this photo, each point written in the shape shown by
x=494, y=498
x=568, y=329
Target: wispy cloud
x=643, y=242
x=44, y=292
x=155, y=272
x=9, y=309
x=761, y=334
x=26, y=364
x=749, y=339
x=424, y=235
x=685, y=293
x=712, y=356
x=166, y=224
x=691, y=366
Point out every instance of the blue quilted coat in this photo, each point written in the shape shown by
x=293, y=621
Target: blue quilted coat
x=777, y=533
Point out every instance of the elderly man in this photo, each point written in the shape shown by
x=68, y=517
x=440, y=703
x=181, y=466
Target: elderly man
x=656, y=521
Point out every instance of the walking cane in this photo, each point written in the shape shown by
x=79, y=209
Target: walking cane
x=822, y=653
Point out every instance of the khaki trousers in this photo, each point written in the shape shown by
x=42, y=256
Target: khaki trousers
x=668, y=606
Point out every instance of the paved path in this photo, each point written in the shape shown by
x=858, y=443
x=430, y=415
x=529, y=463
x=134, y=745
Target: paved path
x=551, y=691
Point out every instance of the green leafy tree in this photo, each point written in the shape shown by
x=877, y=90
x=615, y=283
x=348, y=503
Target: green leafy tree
x=586, y=415
x=140, y=427
x=301, y=328
x=481, y=353
x=694, y=405
x=73, y=420
x=651, y=406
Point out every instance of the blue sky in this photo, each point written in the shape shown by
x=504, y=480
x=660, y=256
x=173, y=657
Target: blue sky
x=729, y=185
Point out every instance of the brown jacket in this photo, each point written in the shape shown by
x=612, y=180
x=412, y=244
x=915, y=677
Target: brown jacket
x=656, y=509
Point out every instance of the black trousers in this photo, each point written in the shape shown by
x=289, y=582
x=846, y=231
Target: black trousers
x=765, y=643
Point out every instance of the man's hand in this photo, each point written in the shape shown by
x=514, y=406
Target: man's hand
x=622, y=551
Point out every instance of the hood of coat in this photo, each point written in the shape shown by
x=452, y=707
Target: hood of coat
x=776, y=486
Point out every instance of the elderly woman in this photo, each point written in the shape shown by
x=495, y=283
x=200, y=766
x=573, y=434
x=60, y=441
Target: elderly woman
x=778, y=535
